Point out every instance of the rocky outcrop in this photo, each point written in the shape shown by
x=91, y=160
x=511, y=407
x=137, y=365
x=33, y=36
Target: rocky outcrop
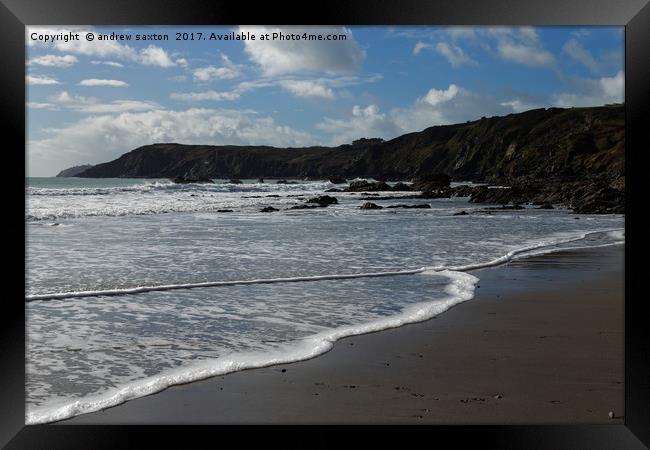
x=370, y=205
x=431, y=182
x=368, y=186
x=323, y=200
x=401, y=187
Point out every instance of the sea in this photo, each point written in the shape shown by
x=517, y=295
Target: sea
x=135, y=285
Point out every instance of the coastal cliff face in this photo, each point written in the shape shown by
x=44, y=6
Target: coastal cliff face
x=74, y=171
x=546, y=154
x=539, y=144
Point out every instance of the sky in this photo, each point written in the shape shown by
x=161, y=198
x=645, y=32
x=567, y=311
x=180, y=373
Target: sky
x=90, y=101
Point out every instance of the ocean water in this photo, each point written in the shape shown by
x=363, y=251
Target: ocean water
x=135, y=285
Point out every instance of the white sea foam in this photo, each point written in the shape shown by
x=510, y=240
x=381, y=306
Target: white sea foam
x=548, y=247
x=460, y=289
x=525, y=251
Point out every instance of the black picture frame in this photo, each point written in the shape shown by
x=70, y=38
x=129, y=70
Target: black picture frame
x=633, y=14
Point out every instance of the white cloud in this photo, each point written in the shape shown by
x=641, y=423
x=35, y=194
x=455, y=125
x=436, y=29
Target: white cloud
x=519, y=105
x=118, y=106
x=597, y=92
x=576, y=51
x=435, y=96
x=454, y=104
x=203, y=96
x=108, y=63
x=38, y=105
x=280, y=57
x=613, y=87
x=310, y=87
x=211, y=73
x=64, y=97
x=522, y=46
x=92, y=105
x=524, y=54
x=437, y=107
x=454, y=54
x=155, y=56
x=102, y=138
x=182, y=62
x=53, y=60
x=419, y=46
x=307, y=88
x=98, y=82
x=41, y=80
x=365, y=122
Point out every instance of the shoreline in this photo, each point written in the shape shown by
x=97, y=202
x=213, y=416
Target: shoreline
x=517, y=352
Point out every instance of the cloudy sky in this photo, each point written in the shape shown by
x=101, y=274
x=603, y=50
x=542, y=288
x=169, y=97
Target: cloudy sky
x=91, y=101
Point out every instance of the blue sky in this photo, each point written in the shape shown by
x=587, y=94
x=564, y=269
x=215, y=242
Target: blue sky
x=92, y=101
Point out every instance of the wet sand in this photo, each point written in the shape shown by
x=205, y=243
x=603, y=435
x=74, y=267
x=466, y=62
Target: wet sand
x=540, y=343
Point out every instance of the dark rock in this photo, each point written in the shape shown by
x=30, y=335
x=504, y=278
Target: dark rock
x=430, y=182
x=418, y=206
x=323, y=200
x=369, y=205
x=268, y=209
x=367, y=141
x=461, y=213
x=546, y=206
x=260, y=180
x=603, y=200
x=224, y=210
x=400, y=187
x=235, y=181
x=337, y=180
x=272, y=195
x=368, y=186
x=483, y=194
x=286, y=182
x=333, y=190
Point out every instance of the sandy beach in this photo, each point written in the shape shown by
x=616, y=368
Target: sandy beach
x=540, y=343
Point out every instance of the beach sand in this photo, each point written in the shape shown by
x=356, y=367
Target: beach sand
x=540, y=343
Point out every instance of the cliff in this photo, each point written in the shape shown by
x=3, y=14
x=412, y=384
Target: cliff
x=74, y=171
x=540, y=144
